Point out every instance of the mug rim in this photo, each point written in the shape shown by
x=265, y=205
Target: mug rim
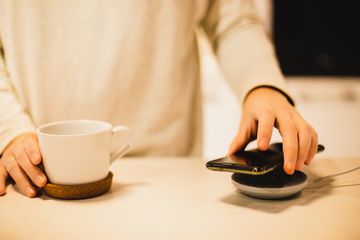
x=40, y=129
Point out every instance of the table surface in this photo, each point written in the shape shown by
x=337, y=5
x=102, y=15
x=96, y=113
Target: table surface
x=178, y=198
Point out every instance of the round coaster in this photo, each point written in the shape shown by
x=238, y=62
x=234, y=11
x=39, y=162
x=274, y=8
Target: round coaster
x=273, y=185
x=80, y=191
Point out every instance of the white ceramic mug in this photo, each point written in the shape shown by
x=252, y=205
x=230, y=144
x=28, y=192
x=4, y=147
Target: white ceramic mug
x=81, y=151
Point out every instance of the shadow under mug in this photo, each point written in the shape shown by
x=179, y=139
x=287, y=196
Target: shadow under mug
x=81, y=151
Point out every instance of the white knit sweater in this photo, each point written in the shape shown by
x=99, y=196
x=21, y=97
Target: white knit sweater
x=131, y=62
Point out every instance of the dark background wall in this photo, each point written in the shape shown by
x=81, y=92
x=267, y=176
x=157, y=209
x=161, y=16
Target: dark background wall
x=317, y=37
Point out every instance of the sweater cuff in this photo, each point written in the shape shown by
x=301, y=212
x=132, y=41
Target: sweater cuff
x=280, y=90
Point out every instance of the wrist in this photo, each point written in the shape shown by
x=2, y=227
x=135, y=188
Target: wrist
x=265, y=89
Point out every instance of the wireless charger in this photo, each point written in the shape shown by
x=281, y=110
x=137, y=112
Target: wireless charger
x=273, y=185
x=259, y=174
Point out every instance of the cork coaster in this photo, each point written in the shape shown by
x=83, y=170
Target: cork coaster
x=81, y=191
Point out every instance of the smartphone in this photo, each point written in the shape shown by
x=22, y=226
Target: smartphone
x=254, y=162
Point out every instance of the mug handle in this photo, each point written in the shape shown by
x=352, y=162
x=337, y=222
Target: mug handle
x=121, y=136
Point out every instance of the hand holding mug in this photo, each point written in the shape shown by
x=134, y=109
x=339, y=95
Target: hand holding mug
x=20, y=160
x=72, y=152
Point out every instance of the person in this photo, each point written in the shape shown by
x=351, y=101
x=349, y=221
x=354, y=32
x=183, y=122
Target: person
x=136, y=63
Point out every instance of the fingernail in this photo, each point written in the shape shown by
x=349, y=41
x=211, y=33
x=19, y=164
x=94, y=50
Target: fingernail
x=30, y=191
x=40, y=179
x=35, y=156
x=290, y=168
x=2, y=190
x=263, y=142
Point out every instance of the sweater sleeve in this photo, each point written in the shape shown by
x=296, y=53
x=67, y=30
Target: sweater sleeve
x=244, y=51
x=14, y=121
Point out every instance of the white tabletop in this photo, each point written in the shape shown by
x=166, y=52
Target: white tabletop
x=178, y=198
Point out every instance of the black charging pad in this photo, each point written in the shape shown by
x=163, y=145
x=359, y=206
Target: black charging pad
x=273, y=185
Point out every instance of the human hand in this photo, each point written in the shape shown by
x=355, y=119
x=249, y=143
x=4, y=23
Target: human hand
x=20, y=160
x=265, y=108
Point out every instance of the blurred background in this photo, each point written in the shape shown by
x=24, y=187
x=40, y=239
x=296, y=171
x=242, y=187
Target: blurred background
x=317, y=43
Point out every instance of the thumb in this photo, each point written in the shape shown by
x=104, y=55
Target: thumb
x=243, y=137
x=3, y=177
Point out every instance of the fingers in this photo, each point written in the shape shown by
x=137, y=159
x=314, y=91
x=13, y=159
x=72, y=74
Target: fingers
x=265, y=127
x=299, y=142
x=3, y=177
x=244, y=136
x=19, y=161
x=289, y=134
x=313, y=148
x=269, y=108
x=32, y=150
x=299, y=138
x=32, y=171
x=19, y=176
x=305, y=135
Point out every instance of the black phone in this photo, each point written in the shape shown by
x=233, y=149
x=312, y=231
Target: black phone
x=254, y=162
